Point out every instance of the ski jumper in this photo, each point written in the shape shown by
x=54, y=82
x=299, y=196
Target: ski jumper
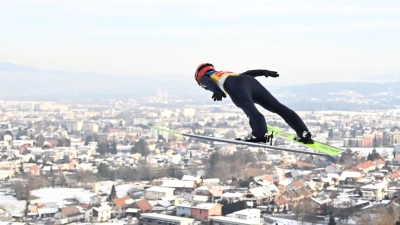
x=245, y=91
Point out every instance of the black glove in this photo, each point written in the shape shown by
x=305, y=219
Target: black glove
x=218, y=94
x=268, y=73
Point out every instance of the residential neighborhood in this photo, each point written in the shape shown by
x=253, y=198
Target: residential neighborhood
x=64, y=163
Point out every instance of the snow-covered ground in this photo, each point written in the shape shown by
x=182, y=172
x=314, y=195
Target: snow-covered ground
x=122, y=190
x=11, y=204
x=59, y=194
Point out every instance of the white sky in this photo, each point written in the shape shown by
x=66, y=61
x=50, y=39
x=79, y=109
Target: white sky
x=305, y=41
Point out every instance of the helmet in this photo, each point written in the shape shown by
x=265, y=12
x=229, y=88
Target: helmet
x=201, y=70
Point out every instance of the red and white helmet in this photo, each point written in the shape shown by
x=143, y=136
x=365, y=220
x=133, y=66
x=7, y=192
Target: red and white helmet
x=201, y=70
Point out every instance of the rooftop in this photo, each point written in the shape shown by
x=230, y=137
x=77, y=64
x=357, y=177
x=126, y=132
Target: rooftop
x=166, y=217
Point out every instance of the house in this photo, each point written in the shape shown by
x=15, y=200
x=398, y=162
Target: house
x=157, y=193
x=181, y=186
x=234, y=197
x=119, y=205
x=161, y=206
x=278, y=205
x=203, y=211
x=259, y=194
x=350, y=178
x=198, y=179
x=376, y=191
x=176, y=199
x=68, y=214
x=322, y=204
x=156, y=219
x=222, y=220
x=211, y=182
x=143, y=205
x=249, y=215
x=184, y=208
x=242, y=217
x=97, y=199
x=98, y=214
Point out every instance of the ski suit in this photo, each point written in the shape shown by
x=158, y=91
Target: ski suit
x=245, y=91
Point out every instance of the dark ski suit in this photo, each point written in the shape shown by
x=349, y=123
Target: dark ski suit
x=245, y=91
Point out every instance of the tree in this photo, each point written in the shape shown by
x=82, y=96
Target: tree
x=330, y=133
x=332, y=220
x=60, y=143
x=103, y=148
x=88, y=139
x=67, y=142
x=113, y=149
x=113, y=194
x=140, y=147
x=40, y=140
x=369, y=157
x=138, y=215
x=103, y=170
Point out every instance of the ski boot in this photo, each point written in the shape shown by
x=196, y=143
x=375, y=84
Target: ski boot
x=306, y=138
x=251, y=138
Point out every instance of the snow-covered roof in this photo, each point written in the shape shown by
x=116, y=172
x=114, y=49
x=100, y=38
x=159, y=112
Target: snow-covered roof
x=321, y=199
x=259, y=192
x=211, y=180
x=132, y=210
x=191, y=178
x=351, y=174
x=231, y=220
x=231, y=195
x=177, y=184
x=205, y=205
x=47, y=210
x=247, y=211
x=160, y=189
x=185, y=204
x=200, y=198
x=374, y=186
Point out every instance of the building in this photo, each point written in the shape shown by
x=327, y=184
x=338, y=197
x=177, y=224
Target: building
x=157, y=219
x=184, y=208
x=222, y=220
x=374, y=191
x=98, y=214
x=250, y=215
x=6, y=174
x=97, y=199
x=181, y=186
x=203, y=211
x=68, y=214
x=156, y=192
x=119, y=205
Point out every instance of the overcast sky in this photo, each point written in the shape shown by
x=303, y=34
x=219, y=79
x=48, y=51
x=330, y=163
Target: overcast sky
x=305, y=41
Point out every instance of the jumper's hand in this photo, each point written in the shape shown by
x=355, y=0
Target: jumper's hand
x=268, y=73
x=218, y=94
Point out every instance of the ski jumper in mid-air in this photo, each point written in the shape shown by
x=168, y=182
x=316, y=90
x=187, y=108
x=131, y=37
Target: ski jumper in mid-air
x=245, y=91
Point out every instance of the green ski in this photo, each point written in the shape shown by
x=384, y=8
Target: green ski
x=277, y=132
x=237, y=142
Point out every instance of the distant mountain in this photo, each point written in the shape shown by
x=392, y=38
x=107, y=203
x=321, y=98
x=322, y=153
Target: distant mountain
x=26, y=83
x=9, y=67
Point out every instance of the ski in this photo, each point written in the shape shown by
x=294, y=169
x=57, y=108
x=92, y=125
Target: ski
x=237, y=142
x=277, y=132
